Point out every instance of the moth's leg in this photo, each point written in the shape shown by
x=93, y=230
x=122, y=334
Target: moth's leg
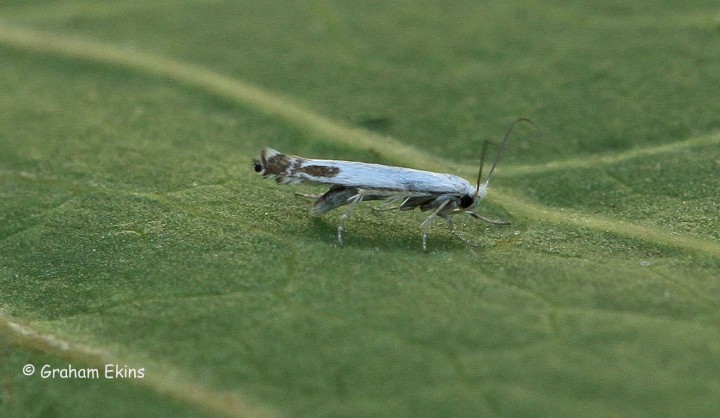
x=453, y=231
x=355, y=200
x=393, y=200
x=428, y=223
x=490, y=221
x=307, y=196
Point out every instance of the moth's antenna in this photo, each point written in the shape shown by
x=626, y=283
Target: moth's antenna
x=483, y=151
x=499, y=154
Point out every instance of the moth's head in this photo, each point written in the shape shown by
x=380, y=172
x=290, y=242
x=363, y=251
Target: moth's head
x=470, y=201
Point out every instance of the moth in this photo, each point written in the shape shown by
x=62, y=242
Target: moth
x=351, y=182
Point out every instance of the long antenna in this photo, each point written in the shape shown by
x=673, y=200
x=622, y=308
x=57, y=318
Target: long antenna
x=483, y=151
x=499, y=154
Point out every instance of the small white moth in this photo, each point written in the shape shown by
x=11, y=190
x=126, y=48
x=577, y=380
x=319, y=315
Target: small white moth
x=353, y=182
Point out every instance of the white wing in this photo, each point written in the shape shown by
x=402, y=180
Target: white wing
x=383, y=177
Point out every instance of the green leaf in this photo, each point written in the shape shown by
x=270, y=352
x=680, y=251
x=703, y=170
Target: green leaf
x=135, y=235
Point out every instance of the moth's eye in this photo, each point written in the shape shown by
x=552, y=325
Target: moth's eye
x=466, y=201
x=258, y=166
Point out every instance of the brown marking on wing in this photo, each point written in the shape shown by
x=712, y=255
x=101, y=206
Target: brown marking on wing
x=319, y=171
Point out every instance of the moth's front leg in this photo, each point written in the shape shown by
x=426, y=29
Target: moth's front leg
x=428, y=222
x=453, y=231
x=488, y=220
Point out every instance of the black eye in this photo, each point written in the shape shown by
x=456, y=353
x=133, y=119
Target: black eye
x=258, y=166
x=466, y=201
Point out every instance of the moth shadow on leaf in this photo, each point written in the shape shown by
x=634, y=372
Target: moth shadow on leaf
x=375, y=230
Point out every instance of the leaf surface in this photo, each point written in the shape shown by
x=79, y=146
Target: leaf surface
x=134, y=232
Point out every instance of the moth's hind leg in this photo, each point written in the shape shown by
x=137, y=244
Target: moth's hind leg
x=487, y=220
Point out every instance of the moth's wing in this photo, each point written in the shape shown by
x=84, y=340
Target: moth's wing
x=389, y=178
x=290, y=169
